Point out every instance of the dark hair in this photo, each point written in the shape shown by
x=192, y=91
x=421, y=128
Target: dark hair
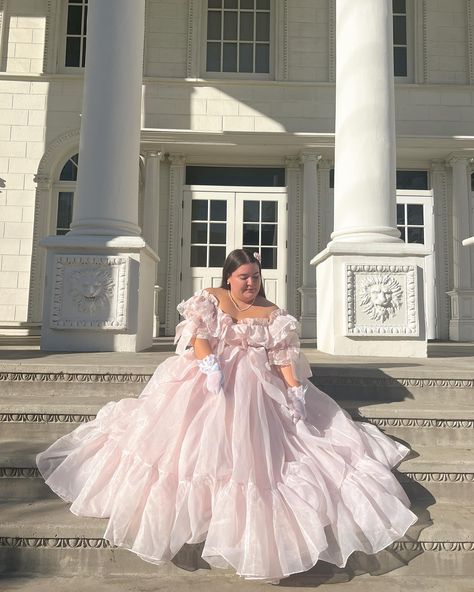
x=234, y=260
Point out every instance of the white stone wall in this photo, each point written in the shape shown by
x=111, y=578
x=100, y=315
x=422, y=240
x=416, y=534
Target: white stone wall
x=166, y=38
x=22, y=118
x=24, y=23
x=447, y=43
x=308, y=40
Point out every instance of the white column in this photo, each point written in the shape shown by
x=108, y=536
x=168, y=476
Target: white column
x=100, y=276
x=369, y=283
x=364, y=199
x=461, y=326
x=106, y=201
x=151, y=219
x=310, y=226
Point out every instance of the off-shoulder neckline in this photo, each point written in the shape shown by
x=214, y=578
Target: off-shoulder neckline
x=247, y=320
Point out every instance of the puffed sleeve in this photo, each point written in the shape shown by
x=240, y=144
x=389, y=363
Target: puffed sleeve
x=200, y=320
x=284, y=346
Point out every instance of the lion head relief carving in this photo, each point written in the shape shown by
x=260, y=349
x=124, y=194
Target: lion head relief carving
x=91, y=289
x=381, y=297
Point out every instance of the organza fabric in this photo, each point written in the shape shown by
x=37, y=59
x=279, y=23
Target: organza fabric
x=180, y=464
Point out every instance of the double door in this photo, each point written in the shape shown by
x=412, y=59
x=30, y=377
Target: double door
x=219, y=220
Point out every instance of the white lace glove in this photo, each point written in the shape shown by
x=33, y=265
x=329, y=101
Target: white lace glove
x=210, y=366
x=296, y=394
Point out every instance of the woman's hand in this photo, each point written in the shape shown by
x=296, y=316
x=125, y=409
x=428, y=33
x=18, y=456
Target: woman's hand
x=210, y=366
x=296, y=394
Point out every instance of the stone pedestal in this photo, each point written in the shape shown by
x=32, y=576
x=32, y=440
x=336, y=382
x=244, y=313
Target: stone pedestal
x=370, y=300
x=100, y=294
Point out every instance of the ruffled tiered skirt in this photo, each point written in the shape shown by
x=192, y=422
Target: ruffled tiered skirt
x=180, y=465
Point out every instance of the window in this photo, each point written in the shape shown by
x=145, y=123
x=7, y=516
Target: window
x=411, y=223
x=208, y=232
x=400, y=38
x=238, y=36
x=238, y=176
x=260, y=230
x=76, y=31
x=66, y=188
x=412, y=179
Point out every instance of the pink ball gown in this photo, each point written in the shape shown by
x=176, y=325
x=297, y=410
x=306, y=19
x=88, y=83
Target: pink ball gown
x=181, y=465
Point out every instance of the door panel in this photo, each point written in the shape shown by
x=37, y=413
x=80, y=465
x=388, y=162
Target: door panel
x=415, y=222
x=218, y=221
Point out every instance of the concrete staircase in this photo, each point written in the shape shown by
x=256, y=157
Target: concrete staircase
x=430, y=407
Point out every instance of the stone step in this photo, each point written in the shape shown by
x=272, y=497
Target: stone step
x=351, y=381
x=44, y=537
x=444, y=474
x=417, y=422
x=214, y=581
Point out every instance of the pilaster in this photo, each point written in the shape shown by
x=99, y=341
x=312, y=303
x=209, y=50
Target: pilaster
x=281, y=17
x=310, y=227
x=193, y=55
x=294, y=251
x=151, y=219
x=461, y=326
x=175, y=221
x=441, y=244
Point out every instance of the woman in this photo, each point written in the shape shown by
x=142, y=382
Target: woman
x=222, y=447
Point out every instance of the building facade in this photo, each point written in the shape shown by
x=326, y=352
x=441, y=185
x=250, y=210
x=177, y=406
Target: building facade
x=236, y=146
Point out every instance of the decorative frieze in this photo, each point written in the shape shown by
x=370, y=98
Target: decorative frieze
x=372, y=381
x=403, y=422
x=425, y=477
x=320, y=381
x=54, y=542
x=380, y=422
x=96, y=543
x=45, y=417
x=79, y=377
x=381, y=300
x=90, y=292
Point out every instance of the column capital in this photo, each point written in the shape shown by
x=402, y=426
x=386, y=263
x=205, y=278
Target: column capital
x=177, y=159
x=43, y=182
x=438, y=165
x=159, y=154
x=292, y=162
x=309, y=156
x=454, y=159
x=326, y=164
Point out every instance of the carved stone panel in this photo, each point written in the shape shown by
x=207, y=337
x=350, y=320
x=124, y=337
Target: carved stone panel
x=381, y=300
x=90, y=292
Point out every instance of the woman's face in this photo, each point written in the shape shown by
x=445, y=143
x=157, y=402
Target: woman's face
x=245, y=282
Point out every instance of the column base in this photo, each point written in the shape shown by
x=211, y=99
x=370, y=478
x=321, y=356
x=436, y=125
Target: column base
x=308, y=311
x=370, y=300
x=98, y=294
x=461, y=324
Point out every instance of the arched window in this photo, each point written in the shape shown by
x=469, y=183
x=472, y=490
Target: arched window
x=66, y=187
